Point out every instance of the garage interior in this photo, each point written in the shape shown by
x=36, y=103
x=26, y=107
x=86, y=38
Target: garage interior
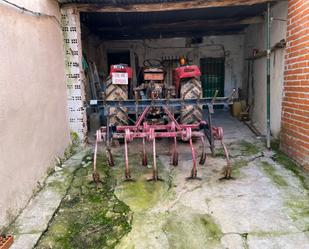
x=217, y=39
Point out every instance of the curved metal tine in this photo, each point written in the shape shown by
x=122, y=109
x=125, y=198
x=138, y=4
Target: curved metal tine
x=95, y=153
x=193, y=175
x=211, y=135
x=175, y=153
x=155, y=175
x=110, y=158
x=95, y=174
x=144, y=154
x=127, y=170
x=228, y=168
x=108, y=139
x=214, y=97
x=203, y=155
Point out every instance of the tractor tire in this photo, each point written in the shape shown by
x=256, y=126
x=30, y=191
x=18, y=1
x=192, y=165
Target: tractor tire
x=117, y=115
x=191, y=89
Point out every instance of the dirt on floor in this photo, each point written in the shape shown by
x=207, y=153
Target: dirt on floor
x=265, y=205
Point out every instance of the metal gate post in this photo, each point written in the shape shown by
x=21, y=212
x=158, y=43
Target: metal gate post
x=268, y=73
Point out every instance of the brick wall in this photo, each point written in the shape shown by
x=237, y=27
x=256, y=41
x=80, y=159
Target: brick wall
x=295, y=106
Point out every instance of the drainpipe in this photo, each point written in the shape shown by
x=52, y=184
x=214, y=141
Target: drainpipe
x=268, y=74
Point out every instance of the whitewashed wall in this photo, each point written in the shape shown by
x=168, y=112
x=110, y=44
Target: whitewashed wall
x=33, y=104
x=255, y=39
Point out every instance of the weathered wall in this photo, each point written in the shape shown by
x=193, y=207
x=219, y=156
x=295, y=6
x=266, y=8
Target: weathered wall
x=33, y=108
x=230, y=47
x=295, y=110
x=74, y=71
x=255, y=39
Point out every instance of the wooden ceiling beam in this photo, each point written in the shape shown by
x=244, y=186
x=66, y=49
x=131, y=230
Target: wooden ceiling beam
x=167, y=32
x=164, y=6
x=183, y=34
x=185, y=25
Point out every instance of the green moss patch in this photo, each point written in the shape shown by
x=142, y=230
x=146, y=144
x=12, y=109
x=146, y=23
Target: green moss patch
x=269, y=234
x=290, y=165
x=248, y=149
x=240, y=148
x=272, y=173
x=89, y=217
x=299, y=208
x=297, y=205
x=141, y=194
x=236, y=167
x=191, y=230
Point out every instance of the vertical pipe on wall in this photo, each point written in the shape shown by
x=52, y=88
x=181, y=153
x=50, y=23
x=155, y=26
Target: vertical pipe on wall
x=268, y=74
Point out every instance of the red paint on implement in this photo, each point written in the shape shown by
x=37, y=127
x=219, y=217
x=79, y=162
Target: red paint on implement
x=150, y=132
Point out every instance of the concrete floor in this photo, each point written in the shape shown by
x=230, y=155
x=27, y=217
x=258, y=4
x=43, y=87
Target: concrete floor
x=265, y=205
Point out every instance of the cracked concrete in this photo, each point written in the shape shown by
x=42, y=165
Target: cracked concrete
x=34, y=219
x=264, y=206
x=251, y=211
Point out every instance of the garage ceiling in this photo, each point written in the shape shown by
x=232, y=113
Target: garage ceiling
x=142, y=19
x=107, y=2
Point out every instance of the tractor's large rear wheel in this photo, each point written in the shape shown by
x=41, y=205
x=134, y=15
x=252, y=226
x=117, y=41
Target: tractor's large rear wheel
x=191, y=89
x=117, y=115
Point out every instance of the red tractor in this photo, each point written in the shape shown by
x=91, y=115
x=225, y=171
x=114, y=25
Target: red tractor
x=185, y=85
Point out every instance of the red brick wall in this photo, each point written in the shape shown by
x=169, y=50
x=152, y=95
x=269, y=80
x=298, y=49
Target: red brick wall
x=295, y=106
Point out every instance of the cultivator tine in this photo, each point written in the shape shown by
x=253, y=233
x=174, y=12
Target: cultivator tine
x=127, y=170
x=175, y=153
x=211, y=135
x=110, y=158
x=193, y=175
x=95, y=153
x=108, y=139
x=154, y=166
x=155, y=175
x=228, y=168
x=144, y=159
x=203, y=155
x=218, y=132
x=95, y=174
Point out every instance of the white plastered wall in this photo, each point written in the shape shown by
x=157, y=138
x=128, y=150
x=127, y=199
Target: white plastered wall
x=255, y=39
x=33, y=106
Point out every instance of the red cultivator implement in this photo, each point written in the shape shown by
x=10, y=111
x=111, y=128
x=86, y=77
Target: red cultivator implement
x=203, y=131
x=161, y=111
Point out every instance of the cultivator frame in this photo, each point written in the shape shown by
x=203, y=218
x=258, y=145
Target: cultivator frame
x=203, y=130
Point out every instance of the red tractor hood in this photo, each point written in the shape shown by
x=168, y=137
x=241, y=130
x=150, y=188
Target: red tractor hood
x=188, y=71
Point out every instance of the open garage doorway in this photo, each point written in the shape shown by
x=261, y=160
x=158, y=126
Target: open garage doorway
x=211, y=38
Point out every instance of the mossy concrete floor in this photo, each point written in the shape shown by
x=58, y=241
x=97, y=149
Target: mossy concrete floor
x=265, y=205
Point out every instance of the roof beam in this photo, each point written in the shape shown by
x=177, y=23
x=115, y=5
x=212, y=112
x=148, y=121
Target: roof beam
x=185, y=25
x=138, y=36
x=164, y=6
